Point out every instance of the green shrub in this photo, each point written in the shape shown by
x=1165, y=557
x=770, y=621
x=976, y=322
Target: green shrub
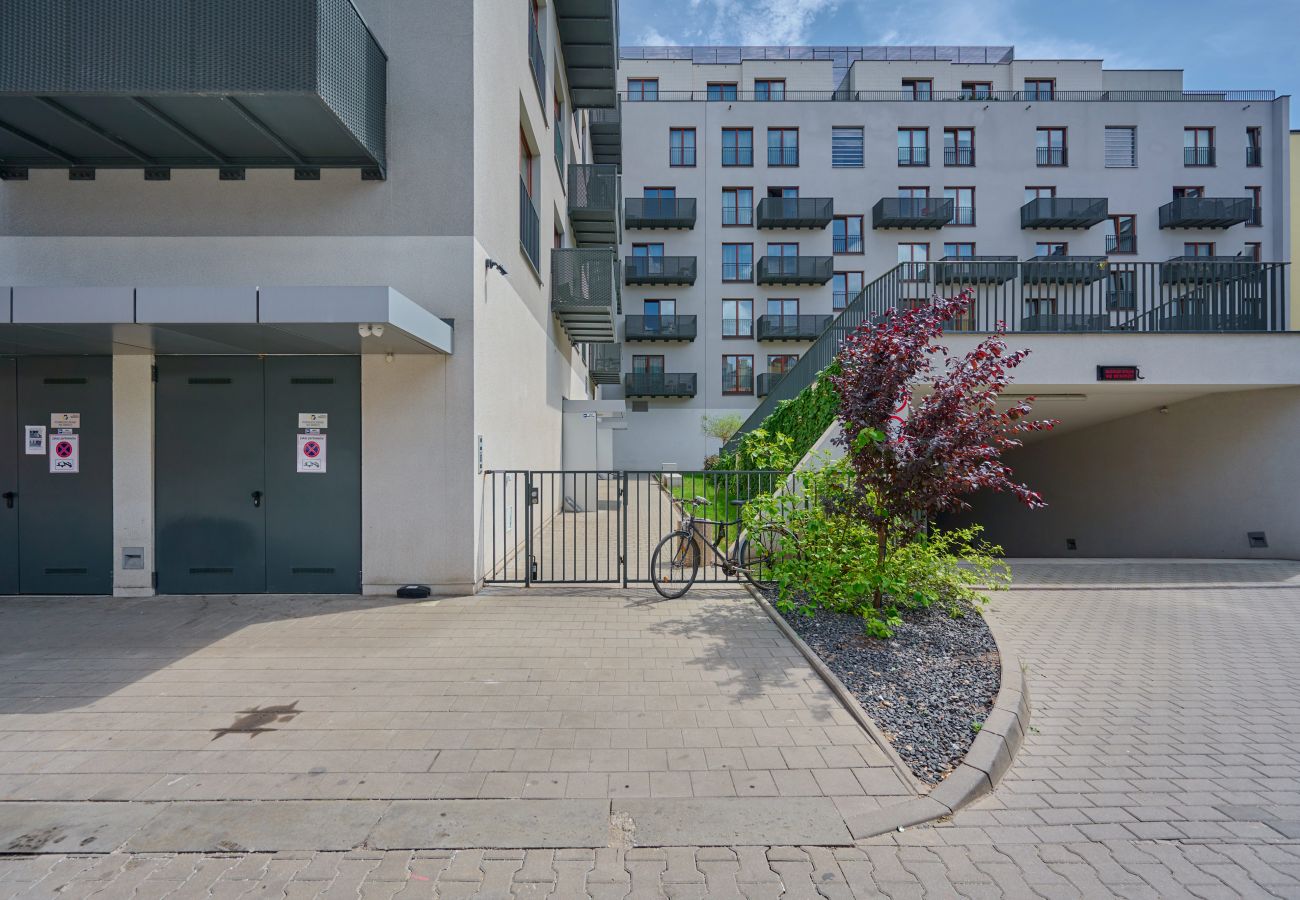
x=804, y=419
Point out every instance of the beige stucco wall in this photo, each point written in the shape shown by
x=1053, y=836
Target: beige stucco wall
x=133, y=511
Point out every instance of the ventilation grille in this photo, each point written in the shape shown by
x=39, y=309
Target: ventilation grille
x=308, y=570
x=67, y=571
x=208, y=380
x=311, y=380
x=212, y=570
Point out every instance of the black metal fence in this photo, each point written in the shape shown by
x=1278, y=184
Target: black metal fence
x=602, y=527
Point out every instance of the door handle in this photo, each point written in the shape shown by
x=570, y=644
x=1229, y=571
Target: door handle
x=9, y=497
x=257, y=498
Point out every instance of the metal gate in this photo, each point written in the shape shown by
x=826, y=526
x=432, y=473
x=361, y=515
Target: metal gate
x=601, y=527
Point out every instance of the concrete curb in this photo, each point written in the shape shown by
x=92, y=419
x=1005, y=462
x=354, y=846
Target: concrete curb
x=988, y=759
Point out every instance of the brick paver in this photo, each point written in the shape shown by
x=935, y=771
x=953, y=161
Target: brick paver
x=1162, y=762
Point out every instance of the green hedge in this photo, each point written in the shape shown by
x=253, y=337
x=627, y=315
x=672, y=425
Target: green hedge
x=804, y=418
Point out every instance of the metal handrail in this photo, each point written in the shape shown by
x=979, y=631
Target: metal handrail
x=968, y=96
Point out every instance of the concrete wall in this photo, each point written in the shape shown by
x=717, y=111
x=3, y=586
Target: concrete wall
x=1190, y=482
x=1293, y=149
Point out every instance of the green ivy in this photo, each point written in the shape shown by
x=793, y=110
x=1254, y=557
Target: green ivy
x=803, y=418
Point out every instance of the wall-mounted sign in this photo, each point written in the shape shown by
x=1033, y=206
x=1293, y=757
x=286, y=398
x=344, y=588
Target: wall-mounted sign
x=311, y=454
x=34, y=439
x=1118, y=373
x=65, y=420
x=65, y=454
x=313, y=420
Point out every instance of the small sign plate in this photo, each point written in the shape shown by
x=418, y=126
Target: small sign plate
x=65, y=454
x=313, y=420
x=34, y=439
x=65, y=420
x=311, y=454
x=1118, y=373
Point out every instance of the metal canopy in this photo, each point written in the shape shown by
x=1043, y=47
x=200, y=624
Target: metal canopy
x=589, y=32
x=38, y=321
x=160, y=84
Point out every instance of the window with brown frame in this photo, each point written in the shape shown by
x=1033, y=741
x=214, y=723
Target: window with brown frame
x=738, y=373
x=737, y=318
x=1256, y=209
x=639, y=89
x=737, y=262
x=1051, y=248
x=913, y=146
x=769, y=89
x=1188, y=192
x=913, y=257
x=783, y=146
x=1040, y=88
x=721, y=90
x=1198, y=248
x=681, y=147
x=846, y=235
x=1121, y=233
x=976, y=90
x=963, y=205
x=918, y=88
x=959, y=146
x=1051, y=147
x=737, y=146
x=1255, y=250
x=1254, y=146
x=780, y=363
x=647, y=365
x=1198, y=146
x=1039, y=192
x=844, y=287
x=737, y=206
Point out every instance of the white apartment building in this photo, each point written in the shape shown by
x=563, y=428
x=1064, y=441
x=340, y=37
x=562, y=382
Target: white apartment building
x=765, y=187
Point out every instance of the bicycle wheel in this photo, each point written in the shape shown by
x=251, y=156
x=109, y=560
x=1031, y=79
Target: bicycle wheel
x=675, y=564
x=759, y=554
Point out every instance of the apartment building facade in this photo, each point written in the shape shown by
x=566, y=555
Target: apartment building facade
x=766, y=187
x=280, y=281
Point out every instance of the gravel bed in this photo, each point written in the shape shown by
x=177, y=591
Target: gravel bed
x=925, y=687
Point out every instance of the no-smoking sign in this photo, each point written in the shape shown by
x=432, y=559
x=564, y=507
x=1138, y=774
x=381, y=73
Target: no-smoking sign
x=311, y=454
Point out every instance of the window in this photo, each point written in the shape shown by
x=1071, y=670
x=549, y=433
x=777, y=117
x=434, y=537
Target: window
x=913, y=193
x=738, y=374
x=654, y=309
x=782, y=249
x=963, y=204
x=844, y=287
x=1040, y=307
x=558, y=126
x=783, y=258
x=737, y=146
x=913, y=146
x=847, y=234
x=647, y=365
x=642, y=89
x=769, y=89
x=913, y=258
x=783, y=308
x=1198, y=248
x=663, y=194
x=1255, y=250
x=737, y=318
x=959, y=146
x=1189, y=193
x=650, y=259
x=780, y=363
x=783, y=146
x=783, y=193
x=722, y=90
x=648, y=250
x=530, y=233
x=959, y=250
x=1121, y=289
x=1254, y=146
x=1051, y=248
x=1040, y=88
x=918, y=88
x=1039, y=193
x=1051, y=147
x=681, y=146
x=536, y=57
x=737, y=262
x=1121, y=234
x=1198, y=146
x=526, y=164
x=976, y=90
x=1256, y=206
x=1121, y=146
x=846, y=148
x=737, y=206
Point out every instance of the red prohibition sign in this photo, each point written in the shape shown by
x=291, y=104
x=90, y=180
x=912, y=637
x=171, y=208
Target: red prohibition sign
x=63, y=449
x=311, y=449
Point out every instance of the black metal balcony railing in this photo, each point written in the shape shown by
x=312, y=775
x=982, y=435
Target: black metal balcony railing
x=738, y=215
x=1119, y=297
x=659, y=384
x=1052, y=156
x=1206, y=212
x=802, y=327
x=959, y=156
x=1062, y=269
x=969, y=95
x=1201, y=269
x=765, y=381
x=659, y=212
x=962, y=215
x=1254, y=156
x=737, y=156
x=537, y=59
x=1256, y=217
x=1198, y=156
x=795, y=269
x=783, y=156
x=529, y=227
x=1064, y=212
x=585, y=293
x=659, y=270
x=1121, y=243
x=659, y=328
x=912, y=212
x=605, y=365
x=913, y=156
x=795, y=212
x=593, y=194
x=847, y=243
x=974, y=269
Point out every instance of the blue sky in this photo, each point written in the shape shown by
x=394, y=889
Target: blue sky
x=1241, y=45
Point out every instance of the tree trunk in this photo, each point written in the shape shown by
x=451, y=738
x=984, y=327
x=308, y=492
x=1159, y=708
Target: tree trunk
x=882, y=541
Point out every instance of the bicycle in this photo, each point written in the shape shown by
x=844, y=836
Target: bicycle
x=675, y=563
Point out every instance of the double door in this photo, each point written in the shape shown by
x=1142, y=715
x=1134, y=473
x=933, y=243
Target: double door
x=258, y=474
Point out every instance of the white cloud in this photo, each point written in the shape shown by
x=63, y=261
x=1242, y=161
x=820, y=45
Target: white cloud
x=760, y=22
x=653, y=37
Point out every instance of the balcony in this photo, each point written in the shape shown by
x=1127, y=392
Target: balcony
x=765, y=381
x=975, y=269
x=1052, y=156
x=795, y=212
x=1064, y=212
x=782, y=156
x=913, y=156
x=1206, y=269
x=959, y=156
x=297, y=84
x=593, y=204
x=795, y=269
x=585, y=293
x=529, y=227
x=1063, y=269
x=1121, y=243
x=1254, y=156
x=645, y=270
x=659, y=328
x=791, y=328
x=605, y=364
x=589, y=32
x=1206, y=212
x=1198, y=156
x=659, y=384
x=912, y=212
x=659, y=212
x=606, y=127
x=1065, y=323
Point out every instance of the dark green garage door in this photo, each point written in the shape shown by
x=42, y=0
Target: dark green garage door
x=258, y=474
x=56, y=496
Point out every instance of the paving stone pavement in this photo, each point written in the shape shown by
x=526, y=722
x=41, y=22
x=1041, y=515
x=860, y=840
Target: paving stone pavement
x=1163, y=761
